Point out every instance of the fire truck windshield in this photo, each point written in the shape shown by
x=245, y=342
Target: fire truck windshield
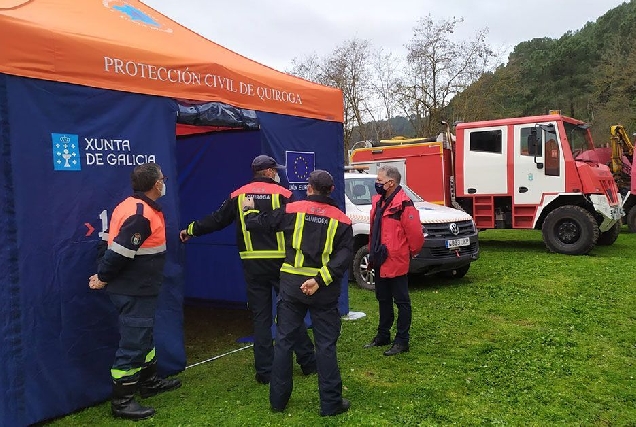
x=578, y=137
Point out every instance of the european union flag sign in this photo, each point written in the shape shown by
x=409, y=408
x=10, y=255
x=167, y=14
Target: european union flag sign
x=299, y=165
x=66, y=152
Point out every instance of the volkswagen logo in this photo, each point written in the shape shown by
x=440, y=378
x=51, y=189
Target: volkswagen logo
x=454, y=228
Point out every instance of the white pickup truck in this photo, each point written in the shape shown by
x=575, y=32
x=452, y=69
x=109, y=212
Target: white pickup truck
x=450, y=237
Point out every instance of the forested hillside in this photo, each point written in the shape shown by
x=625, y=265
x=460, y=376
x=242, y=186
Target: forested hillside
x=588, y=74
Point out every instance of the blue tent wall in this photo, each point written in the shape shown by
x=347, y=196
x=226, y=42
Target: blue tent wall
x=58, y=336
x=212, y=166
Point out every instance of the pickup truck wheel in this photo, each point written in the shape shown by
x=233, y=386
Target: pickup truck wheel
x=609, y=237
x=365, y=277
x=630, y=219
x=570, y=230
x=456, y=273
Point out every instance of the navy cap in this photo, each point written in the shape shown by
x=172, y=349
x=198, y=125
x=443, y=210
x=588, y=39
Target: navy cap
x=321, y=180
x=263, y=162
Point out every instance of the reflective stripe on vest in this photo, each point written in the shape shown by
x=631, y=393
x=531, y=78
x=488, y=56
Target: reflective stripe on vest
x=250, y=252
x=246, y=234
x=280, y=236
x=298, y=238
x=308, y=271
x=331, y=233
x=298, y=267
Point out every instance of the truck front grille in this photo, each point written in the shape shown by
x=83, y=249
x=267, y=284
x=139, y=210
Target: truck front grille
x=443, y=230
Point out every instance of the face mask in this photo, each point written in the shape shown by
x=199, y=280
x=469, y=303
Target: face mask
x=276, y=178
x=379, y=188
x=163, y=189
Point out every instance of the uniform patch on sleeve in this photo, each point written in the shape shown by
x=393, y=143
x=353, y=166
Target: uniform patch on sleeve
x=135, y=239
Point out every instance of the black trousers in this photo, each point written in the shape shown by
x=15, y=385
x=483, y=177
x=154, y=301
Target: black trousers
x=259, y=300
x=136, y=343
x=387, y=291
x=293, y=306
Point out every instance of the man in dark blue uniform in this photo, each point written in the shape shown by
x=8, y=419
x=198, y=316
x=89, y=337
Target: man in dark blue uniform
x=318, y=251
x=131, y=271
x=262, y=254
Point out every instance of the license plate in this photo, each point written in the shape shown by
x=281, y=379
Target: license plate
x=456, y=243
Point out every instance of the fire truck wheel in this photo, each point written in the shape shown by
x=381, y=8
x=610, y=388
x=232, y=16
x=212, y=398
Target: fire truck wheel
x=570, y=230
x=609, y=237
x=630, y=219
x=365, y=277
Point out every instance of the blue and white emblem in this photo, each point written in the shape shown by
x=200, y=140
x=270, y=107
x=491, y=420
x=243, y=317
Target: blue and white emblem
x=66, y=152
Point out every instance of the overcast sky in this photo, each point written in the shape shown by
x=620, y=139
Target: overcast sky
x=274, y=32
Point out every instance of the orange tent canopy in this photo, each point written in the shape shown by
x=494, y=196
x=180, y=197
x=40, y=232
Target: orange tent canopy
x=126, y=45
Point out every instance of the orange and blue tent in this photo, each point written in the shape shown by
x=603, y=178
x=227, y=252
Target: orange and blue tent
x=88, y=90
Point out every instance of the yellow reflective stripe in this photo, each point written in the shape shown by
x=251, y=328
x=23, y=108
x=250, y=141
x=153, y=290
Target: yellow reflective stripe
x=280, y=236
x=150, y=356
x=280, y=239
x=326, y=275
x=261, y=254
x=190, y=230
x=118, y=374
x=246, y=234
x=302, y=271
x=149, y=251
x=331, y=233
x=298, y=238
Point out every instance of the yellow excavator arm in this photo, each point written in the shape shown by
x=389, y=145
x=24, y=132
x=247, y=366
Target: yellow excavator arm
x=621, y=146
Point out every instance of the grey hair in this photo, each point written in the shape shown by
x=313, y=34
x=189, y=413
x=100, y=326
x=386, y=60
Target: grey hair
x=392, y=172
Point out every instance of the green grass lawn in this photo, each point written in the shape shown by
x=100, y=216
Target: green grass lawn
x=526, y=338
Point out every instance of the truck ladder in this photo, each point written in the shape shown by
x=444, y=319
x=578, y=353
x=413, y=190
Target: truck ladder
x=484, y=211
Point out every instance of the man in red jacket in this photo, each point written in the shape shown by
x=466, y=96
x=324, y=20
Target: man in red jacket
x=396, y=236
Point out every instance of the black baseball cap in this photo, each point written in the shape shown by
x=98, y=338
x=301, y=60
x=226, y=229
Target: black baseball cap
x=321, y=180
x=263, y=162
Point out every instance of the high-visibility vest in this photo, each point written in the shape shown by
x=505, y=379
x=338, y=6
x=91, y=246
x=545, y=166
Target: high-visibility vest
x=154, y=244
x=332, y=217
x=253, y=249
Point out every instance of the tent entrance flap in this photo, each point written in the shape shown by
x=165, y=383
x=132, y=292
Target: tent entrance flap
x=210, y=167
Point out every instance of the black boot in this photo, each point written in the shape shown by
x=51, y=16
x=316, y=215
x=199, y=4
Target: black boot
x=123, y=404
x=150, y=384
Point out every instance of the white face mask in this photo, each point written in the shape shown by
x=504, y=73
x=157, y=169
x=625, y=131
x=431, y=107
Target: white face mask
x=163, y=189
x=276, y=178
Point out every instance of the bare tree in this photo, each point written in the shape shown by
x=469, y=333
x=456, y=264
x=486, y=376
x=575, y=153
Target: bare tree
x=438, y=68
x=346, y=68
x=385, y=79
x=309, y=67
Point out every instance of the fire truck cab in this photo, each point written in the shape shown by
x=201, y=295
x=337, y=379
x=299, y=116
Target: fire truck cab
x=515, y=173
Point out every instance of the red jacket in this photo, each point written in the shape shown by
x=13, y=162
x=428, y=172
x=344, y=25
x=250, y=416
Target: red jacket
x=401, y=233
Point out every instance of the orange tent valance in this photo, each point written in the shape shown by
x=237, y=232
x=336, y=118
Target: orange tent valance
x=128, y=46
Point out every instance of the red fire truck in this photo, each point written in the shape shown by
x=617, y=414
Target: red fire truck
x=514, y=173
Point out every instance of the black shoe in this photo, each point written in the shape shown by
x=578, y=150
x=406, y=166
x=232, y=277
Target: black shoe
x=129, y=409
x=344, y=407
x=262, y=378
x=309, y=369
x=396, y=349
x=123, y=403
x=377, y=342
x=275, y=409
x=156, y=385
